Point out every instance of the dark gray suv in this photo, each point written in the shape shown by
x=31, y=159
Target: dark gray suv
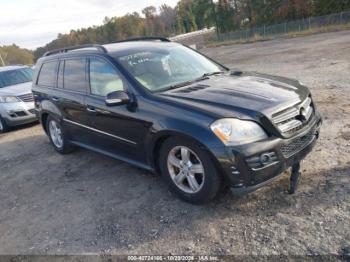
x=165, y=107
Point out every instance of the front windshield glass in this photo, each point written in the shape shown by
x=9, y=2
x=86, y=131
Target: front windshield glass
x=161, y=69
x=15, y=77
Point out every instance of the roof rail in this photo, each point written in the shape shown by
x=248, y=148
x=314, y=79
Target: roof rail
x=66, y=49
x=144, y=38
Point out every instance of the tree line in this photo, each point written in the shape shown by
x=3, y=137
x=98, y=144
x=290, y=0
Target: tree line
x=13, y=54
x=191, y=15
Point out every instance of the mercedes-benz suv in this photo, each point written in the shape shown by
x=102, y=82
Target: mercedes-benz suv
x=167, y=108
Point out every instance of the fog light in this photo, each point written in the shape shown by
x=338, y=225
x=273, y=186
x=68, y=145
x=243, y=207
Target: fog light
x=11, y=113
x=259, y=161
x=234, y=170
x=265, y=159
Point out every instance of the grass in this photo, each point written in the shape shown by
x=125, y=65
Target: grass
x=258, y=37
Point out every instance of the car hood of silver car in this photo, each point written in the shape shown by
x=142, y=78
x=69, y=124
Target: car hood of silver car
x=15, y=90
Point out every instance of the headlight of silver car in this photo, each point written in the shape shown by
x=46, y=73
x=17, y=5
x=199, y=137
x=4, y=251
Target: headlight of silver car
x=8, y=99
x=232, y=131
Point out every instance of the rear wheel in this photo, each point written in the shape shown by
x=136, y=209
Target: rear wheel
x=3, y=126
x=189, y=171
x=57, y=136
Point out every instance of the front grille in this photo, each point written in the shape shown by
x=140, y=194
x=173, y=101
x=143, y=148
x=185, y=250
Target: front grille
x=294, y=119
x=297, y=145
x=26, y=97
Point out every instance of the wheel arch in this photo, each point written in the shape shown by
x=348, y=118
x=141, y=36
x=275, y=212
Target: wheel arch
x=49, y=108
x=44, y=117
x=162, y=136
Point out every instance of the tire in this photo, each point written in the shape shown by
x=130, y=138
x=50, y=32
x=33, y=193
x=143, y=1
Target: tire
x=186, y=172
x=54, y=129
x=3, y=126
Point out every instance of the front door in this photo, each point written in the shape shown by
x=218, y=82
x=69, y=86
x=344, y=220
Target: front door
x=117, y=129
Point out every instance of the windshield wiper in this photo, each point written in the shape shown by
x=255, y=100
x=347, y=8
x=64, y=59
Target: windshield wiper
x=186, y=83
x=180, y=84
x=213, y=73
x=206, y=76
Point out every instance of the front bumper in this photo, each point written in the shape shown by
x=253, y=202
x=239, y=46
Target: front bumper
x=18, y=113
x=249, y=167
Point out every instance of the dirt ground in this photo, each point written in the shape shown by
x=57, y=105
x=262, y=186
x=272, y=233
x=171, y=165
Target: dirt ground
x=86, y=203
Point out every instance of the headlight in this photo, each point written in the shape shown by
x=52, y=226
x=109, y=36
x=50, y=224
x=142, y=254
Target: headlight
x=8, y=99
x=233, y=131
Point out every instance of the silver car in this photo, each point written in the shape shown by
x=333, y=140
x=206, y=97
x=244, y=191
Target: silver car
x=16, y=98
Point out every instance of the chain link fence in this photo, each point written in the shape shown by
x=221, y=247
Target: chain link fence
x=307, y=24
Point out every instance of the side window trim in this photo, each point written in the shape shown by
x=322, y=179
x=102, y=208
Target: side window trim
x=85, y=92
x=55, y=73
x=61, y=63
x=102, y=59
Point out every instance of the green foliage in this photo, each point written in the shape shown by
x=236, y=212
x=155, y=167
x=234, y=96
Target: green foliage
x=203, y=13
x=324, y=7
x=186, y=16
x=191, y=15
x=13, y=54
x=226, y=16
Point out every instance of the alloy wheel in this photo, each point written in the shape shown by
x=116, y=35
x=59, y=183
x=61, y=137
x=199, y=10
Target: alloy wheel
x=186, y=169
x=55, y=134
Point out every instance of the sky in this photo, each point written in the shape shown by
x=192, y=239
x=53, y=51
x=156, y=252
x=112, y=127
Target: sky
x=34, y=23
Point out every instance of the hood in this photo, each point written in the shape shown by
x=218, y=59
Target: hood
x=17, y=90
x=238, y=96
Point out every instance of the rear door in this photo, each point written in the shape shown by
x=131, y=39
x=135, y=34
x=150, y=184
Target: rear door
x=72, y=85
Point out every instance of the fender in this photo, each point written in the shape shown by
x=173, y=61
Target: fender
x=49, y=107
x=204, y=137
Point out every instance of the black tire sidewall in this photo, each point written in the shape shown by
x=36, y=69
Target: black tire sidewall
x=212, y=180
x=5, y=127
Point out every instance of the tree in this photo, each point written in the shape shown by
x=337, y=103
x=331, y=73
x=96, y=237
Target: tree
x=226, y=14
x=167, y=16
x=13, y=54
x=202, y=10
x=324, y=7
x=190, y=15
x=186, y=17
x=150, y=14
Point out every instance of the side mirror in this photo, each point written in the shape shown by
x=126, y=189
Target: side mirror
x=117, y=98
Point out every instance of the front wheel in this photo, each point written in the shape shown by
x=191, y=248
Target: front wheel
x=3, y=126
x=57, y=136
x=189, y=171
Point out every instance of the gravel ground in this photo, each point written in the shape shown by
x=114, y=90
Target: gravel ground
x=85, y=203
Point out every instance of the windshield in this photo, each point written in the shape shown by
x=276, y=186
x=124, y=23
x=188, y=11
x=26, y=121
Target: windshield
x=162, y=69
x=14, y=77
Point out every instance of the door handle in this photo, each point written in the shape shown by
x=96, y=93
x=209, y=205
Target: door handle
x=56, y=99
x=91, y=109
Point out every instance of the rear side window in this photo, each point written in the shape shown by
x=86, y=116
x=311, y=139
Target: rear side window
x=47, y=74
x=74, y=75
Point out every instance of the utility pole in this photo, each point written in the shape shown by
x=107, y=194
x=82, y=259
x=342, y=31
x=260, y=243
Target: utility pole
x=2, y=60
x=215, y=18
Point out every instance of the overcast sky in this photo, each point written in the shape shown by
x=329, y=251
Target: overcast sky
x=33, y=23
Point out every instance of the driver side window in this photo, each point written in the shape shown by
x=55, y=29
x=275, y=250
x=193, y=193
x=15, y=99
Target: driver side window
x=104, y=79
